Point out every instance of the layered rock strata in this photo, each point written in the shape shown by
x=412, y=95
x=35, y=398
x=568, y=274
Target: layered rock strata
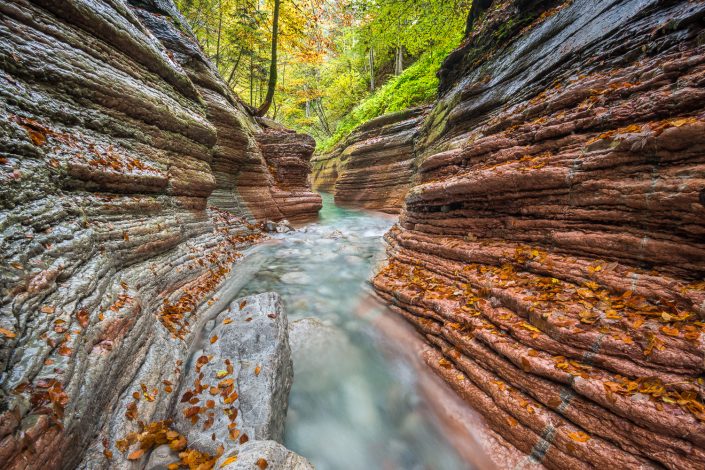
x=552, y=249
x=373, y=168
x=116, y=135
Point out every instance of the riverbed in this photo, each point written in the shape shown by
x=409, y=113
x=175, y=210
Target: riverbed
x=355, y=403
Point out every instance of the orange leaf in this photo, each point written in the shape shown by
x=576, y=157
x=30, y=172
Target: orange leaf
x=579, y=436
x=136, y=454
x=214, y=339
x=262, y=464
x=258, y=369
x=228, y=461
x=8, y=333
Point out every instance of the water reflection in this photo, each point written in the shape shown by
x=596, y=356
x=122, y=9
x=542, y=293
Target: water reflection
x=352, y=406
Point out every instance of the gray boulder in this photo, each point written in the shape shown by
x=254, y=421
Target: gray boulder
x=255, y=454
x=237, y=386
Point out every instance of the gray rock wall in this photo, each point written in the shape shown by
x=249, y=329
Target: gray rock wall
x=115, y=135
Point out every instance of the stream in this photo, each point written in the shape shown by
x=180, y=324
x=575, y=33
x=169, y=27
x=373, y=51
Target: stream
x=354, y=403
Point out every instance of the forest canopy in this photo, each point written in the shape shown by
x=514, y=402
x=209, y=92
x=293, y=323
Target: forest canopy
x=340, y=62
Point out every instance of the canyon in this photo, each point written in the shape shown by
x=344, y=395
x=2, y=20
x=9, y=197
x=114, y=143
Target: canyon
x=549, y=251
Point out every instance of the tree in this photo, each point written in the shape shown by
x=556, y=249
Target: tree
x=273, y=65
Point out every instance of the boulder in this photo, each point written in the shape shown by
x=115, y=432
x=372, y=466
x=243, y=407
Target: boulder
x=236, y=387
x=258, y=455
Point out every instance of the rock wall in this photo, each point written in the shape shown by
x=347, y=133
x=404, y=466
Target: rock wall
x=116, y=137
x=374, y=166
x=552, y=249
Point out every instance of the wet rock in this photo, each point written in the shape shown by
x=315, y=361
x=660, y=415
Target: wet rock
x=295, y=277
x=236, y=388
x=549, y=251
x=321, y=353
x=118, y=139
x=161, y=457
x=265, y=454
x=284, y=226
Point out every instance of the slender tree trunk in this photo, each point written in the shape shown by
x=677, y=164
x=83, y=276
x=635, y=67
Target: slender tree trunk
x=399, y=63
x=220, y=28
x=252, y=78
x=234, y=70
x=273, y=65
x=372, y=69
x=322, y=116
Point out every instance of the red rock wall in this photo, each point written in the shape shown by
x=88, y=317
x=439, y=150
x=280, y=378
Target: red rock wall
x=552, y=249
x=288, y=156
x=115, y=132
x=373, y=168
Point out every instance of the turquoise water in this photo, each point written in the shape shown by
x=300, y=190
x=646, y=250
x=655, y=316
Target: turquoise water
x=354, y=403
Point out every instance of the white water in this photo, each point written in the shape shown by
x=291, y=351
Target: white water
x=354, y=404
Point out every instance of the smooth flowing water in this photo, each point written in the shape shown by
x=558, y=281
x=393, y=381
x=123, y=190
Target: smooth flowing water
x=353, y=404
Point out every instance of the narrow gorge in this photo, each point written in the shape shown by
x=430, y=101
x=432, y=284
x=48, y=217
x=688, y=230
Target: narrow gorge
x=508, y=274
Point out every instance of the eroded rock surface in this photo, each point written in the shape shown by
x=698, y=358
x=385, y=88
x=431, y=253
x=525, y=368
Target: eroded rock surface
x=266, y=454
x=116, y=136
x=237, y=386
x=552, y=249
x=373, y=168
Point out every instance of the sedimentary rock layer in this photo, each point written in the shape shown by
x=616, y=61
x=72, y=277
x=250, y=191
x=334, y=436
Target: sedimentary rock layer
x=372, y=168
x=552, y=250
x=115, y=132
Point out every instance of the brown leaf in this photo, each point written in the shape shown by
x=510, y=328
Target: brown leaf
x=262, y=464
x=48, y=309
x=83, y=317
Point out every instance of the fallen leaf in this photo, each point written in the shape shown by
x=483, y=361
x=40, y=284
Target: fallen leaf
x=136, y=454
x=7, y=333
x=228, y=461
x=579, y=436
x=262, y=464
x=258, y=369
x=48, y=309
x=83, y=317
x=214, y=339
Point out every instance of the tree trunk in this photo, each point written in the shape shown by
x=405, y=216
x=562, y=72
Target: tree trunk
x=372, y=69
x=273, y=65
x=234, y=70
x=252, y=78
x=220, y=28
x=399, y=63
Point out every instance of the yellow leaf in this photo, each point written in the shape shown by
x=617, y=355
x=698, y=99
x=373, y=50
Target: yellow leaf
x=228, y=461
x=579, y=436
